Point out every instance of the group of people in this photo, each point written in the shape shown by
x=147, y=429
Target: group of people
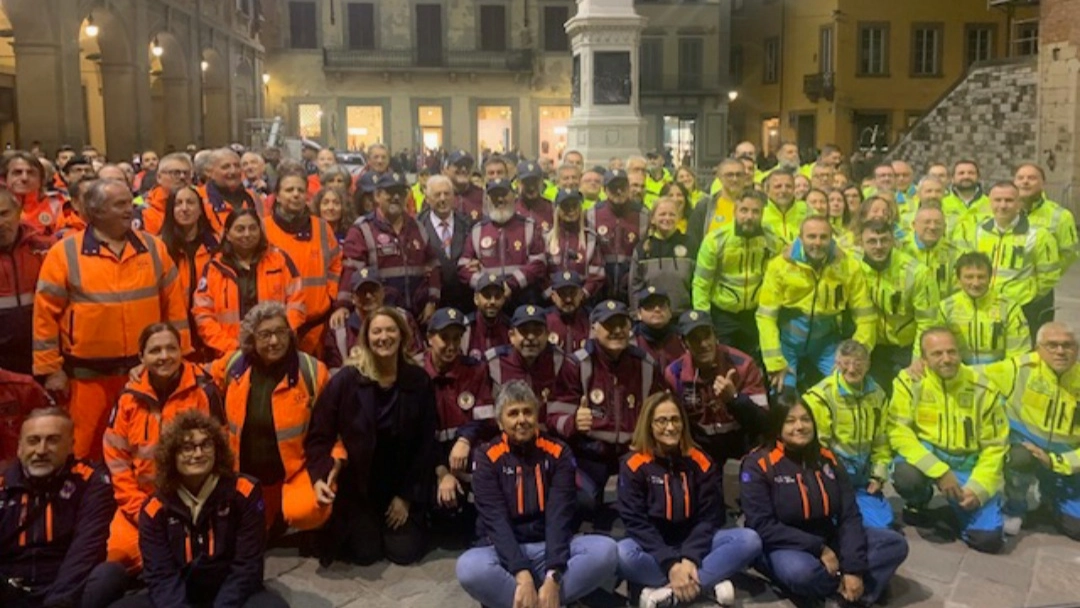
x=214, y=351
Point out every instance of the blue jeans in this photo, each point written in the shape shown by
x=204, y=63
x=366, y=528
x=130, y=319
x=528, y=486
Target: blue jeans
x=1060, y=491
x=876, y=511
x=803, y=574
x=732, y=550
x=803, y=342
x=593, y=560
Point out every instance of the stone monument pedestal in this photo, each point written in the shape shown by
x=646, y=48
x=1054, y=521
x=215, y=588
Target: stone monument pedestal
x=605, y=120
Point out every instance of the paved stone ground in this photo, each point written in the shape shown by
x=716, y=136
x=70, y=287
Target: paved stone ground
x=1037, y=568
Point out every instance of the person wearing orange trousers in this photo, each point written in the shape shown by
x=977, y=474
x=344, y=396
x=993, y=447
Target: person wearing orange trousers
x=311, y=244
x=166, y=386
x=270, y=388
x=244, y=272
x=97, y=290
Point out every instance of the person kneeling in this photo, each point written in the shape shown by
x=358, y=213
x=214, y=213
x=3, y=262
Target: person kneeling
x=202, y=534
x=525, y=497
x=671, y=502
x=799, y=499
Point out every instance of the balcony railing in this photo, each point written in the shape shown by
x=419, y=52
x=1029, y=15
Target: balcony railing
x=514, y=60
x=816, y=86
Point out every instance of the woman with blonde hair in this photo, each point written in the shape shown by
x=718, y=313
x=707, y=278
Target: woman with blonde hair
x=665, y=259
x=571, y=245
x=382, y=406
x=688, y=179
x=670, y=500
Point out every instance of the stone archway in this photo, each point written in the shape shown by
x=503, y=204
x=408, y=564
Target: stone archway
x=170, y=92
x=109, y=75
x=215, y=99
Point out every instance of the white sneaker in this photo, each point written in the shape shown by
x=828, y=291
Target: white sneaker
x=656, y=598
x=724, y=592
x=1012, y=525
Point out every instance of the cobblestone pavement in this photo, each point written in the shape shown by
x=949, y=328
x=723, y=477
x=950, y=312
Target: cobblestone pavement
x=1037, y=568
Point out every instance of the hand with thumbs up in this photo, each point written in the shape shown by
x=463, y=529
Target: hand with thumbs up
x=724, y=386
x=583, y=419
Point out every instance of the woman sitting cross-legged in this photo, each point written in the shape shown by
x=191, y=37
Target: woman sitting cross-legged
x=202, y=534
x=801, y=502
x=671, y=502
x=525, y=495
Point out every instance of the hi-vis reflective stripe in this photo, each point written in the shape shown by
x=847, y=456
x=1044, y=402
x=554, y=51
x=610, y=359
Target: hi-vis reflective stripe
x=78, y=294
x=52, y=289
x=116, y=297
x=291, y=432
x=402, y=272
x=17, y=301
x=320, y=281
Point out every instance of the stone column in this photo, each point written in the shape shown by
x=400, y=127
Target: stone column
x=1059, y=99
x=606, y=118
x=48, y=94
x=178, y=130
x=123, y=128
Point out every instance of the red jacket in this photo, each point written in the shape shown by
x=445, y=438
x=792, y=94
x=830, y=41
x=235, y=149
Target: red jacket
x=568, y=252
x=19, y=268
x=514, y=250
x=470, y=203
x=42, y=211
x=407, y=267
x=19, y=394
x=541, y=211
x=568, y=334
x=463, y=399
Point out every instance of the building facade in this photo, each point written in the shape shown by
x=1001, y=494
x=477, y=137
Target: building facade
x=127, y=75
x=474, y=74
x=900, y=58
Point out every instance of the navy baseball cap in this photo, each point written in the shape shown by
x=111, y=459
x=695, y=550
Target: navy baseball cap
x=693, y=319
x=566, y=278
x=498, y=184
x=608, y=309
x=390, y=180
x=363, y=276
x=568, y=194
x=528, y=313
x=367, y=182
x=487, y=279
x=529, y=169
x=615, y=175
x=446, y=317
x=460, y=157
x=651, y=292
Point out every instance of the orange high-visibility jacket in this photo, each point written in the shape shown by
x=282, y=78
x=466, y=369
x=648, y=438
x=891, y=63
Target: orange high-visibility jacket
x=218, y=210
x=217, y=298
x=91, y=305
x=292, y=402
x=317, y=255
x=135, y=426
x=153, y=214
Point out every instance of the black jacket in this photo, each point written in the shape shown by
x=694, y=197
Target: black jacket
x=217, y=558
x=672, y=507
x=803, y=505
x=525, y=493
x=454, y=293
x=54, y=531
x=347, y=408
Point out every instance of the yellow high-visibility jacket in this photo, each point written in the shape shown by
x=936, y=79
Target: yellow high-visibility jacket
x=987, y=329
x=852, y=422
x=905, y=296
x=1025, y=257
x=731, y=268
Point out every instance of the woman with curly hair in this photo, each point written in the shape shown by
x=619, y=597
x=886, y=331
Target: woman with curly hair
x=201, y=533
x=382, y=406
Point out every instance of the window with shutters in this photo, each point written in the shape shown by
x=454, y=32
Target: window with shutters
x=303, y=26
x=361, y=19
x=926, y=45
x=873, y=51
x=691, y=57
x=979, y=42
x=492, y=27
x=652, y=64
x=555, y=38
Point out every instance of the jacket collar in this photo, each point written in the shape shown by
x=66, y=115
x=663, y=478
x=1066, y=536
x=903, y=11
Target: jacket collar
x=1020, y=226
x=846, y=390
x=144, y=390
x=292, y=366
x=798, y=254
x=299, y=227
x=92, y=246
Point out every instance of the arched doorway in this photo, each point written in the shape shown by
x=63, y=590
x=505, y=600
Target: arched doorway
x=215, y=99
x=90, y=59
x=170, y=94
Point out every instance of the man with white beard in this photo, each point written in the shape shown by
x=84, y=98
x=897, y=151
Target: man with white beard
x=506, y=244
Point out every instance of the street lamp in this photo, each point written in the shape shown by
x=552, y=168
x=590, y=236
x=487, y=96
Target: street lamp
x=155, y=48
x=91, y=29
x=732, y=96
x=204, y=65
x=266, y=79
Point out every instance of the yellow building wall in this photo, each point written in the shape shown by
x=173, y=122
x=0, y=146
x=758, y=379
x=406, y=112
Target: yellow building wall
x=899, y=95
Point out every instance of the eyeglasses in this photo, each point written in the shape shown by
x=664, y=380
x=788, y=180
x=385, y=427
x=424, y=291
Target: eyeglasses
x=206, y=446
x=732, y=175
x=266, y=334
x=1067, y=346
x=664, y=421
x=176, y=173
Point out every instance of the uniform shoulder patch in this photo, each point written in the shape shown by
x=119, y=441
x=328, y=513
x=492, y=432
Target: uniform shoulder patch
x=700, y=459
x=152, y=507
x=638, y=460
x=495, y=452
x=244, y=486
x=83, y=470
x=549, y=446
x=827, y=453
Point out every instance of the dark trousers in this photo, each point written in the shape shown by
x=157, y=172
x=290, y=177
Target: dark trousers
x=739, y=330
x=357, y=532
x=1039, y=312
x=105, y=584
x=886, y=362
x=261, y=599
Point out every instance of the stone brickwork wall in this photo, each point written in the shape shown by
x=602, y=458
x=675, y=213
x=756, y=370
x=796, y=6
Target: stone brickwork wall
x=990, y=117
x=1059, y=102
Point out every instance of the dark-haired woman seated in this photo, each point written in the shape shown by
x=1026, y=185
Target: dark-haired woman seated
x=202, y=533
x=799, y=499
x=671, y=502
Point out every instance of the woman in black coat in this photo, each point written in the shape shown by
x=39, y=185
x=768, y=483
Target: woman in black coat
x=382, y=407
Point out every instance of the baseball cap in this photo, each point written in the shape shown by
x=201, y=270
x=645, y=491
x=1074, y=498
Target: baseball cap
x=566, y=195
x=488, y=279
x=651, y=292
x=390, y=180
x=566, y=278
x=528, y=313
x=528, y=170
x=363, y=276
x=446, y=317
x=615, y=175
x=460, y=157
x=498, y=184
x=608, y=309
x=693, y=319
x=367, y=181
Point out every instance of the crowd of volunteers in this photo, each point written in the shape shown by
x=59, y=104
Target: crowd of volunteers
x=206, y=353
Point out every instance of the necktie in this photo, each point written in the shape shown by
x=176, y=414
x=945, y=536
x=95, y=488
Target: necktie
x=444, y=234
